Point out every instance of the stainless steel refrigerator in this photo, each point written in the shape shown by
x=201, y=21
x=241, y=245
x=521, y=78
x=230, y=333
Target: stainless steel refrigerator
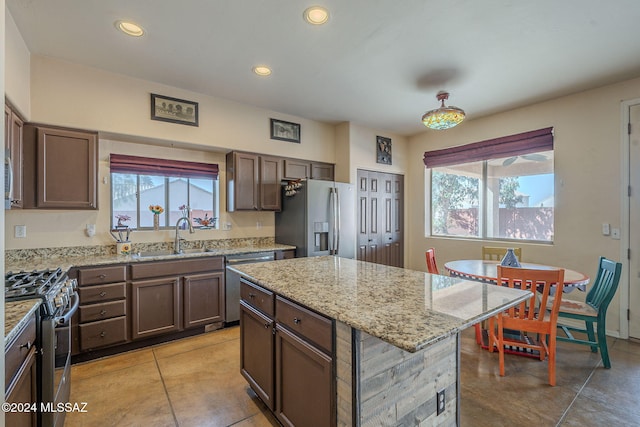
x=320, y=219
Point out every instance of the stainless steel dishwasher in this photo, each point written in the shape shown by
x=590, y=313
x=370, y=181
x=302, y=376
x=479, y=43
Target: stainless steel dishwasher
x=232, y=282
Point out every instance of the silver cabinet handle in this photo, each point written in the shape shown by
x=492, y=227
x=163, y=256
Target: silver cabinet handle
x=297, y=321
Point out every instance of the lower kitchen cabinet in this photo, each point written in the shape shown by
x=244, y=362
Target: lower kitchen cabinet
x=155, y=307
x=20, y=376
x=303, y=382
x=257, y=352
x=203, y=299
x=286, y=355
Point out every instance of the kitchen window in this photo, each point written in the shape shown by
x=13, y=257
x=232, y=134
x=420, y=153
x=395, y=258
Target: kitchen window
x=499, y=189
x=139, y=182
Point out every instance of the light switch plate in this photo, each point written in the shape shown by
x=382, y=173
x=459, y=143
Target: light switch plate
x=20, y=231
x=605, y=229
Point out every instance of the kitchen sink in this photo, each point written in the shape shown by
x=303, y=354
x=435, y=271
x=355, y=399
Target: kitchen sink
x=152, y=254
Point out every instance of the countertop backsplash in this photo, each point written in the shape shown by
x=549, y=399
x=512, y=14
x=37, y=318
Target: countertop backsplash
x=20, y=255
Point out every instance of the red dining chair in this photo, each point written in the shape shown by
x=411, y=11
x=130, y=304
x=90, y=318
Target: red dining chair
x=530, y=325
x=432, y=267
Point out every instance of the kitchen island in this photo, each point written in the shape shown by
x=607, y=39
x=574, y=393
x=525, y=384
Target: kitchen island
x=395, y=335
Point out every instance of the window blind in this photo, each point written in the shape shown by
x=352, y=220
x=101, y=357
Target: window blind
x=496, y=148
x=162, y=167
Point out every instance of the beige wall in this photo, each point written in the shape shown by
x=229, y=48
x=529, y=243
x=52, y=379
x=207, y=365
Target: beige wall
x=16, y=68
x=587, y=144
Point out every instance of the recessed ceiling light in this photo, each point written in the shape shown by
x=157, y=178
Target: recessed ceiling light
x=262, y=70
x=129, y=28
x=316, y=15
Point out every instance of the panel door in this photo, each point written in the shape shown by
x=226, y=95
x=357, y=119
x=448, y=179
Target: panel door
x=203, y=296
x=67, y=169
x=270, y=188
x=304, y=378
x=155, y=307
x=257, y=352
x=634, y=223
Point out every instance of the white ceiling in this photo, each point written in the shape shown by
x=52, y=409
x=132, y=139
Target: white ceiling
x=377, y=63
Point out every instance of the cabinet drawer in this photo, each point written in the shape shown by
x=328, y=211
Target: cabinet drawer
x=18, y=350
x=107, y=310
x=304, y=322
x=146, y=270
x=102, y=333
x=102, y=293
x=94, y=276
x=257, y=297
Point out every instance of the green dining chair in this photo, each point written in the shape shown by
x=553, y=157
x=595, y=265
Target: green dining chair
x=594, y=310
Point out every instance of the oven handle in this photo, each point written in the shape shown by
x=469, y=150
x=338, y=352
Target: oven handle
x=66, y=318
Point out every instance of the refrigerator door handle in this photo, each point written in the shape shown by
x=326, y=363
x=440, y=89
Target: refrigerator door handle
x=337, y=222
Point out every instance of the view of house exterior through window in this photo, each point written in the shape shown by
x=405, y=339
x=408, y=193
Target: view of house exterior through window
x=510, y=198
x=132, y=194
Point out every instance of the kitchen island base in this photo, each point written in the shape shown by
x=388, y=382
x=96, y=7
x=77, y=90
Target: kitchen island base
x=379, y=384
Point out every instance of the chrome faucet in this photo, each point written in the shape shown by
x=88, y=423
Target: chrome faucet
x=177, y=249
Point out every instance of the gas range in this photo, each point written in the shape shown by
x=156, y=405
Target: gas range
x=52, y=286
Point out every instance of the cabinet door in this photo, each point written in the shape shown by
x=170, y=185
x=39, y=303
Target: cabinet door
x=23, y=390
x=323, y=171
x=304, y=382
x=155, y=307
x=257, y=352
x=296, y=169
x=66, y=169
x=270, y=177
x=203, y=299
x=242, y=179
x=13, y=145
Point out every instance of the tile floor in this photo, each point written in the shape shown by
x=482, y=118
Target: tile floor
x=196, y=382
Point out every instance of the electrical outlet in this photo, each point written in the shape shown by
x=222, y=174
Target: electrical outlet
x=258, y=225
x=440, y=402
x=226, y=226
x=615, y=233
x=20, y=231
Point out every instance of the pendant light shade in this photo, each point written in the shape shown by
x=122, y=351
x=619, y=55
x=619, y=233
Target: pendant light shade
x=443, y=117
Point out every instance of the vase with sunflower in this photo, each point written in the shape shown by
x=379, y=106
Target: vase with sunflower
x=156, y=210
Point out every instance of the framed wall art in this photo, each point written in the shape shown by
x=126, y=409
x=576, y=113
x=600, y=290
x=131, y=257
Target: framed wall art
x=383, y=150
x=285, y=131
x=174, y=110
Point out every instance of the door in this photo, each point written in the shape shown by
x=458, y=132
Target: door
x=156, y=307
x=270, y=177
x=369, y=233
x=203, y=299
x=634, y=222
x=257, y=352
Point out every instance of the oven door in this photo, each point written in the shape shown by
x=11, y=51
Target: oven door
x=56, y=364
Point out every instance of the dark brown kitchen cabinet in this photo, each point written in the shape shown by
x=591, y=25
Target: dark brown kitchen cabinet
x=60, y=168
x=380, y=218
x=102, y=318
x=286, y=355
x=155, y=307
x=304, y=169
x=13, y=137
x=253, y=182
x=20, y=375
x=203, y=299
x=257, y=352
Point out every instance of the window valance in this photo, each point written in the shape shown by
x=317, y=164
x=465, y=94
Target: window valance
x=496, y=148
x=162, y=167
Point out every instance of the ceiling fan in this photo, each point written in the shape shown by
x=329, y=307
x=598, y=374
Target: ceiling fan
x=534, y=157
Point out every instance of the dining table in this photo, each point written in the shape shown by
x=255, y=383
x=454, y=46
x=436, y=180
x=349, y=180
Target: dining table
x=486, y=271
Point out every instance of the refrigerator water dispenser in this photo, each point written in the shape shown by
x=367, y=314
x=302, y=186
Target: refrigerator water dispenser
x=321, y=236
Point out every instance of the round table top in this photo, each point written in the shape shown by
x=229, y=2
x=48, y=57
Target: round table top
x=485, y=270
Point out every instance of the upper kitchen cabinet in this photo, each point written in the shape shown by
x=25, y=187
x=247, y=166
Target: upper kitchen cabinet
x=253, y=182
x=303, y=169
x=13, y=137
x=60, y=168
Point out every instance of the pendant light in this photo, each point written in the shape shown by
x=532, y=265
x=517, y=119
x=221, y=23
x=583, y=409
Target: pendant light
x=443, y=117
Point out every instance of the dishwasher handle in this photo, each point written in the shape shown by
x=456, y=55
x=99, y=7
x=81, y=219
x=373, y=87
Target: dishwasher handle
x=247, y=260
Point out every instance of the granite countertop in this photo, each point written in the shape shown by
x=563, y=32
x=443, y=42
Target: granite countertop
x=75, y=259
x=408, y=309
x=16, y=315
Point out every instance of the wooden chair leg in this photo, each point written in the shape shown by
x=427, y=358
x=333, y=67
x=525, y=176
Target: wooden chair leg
x=491, y=334
x=591, y=335
x=602, y=343
x=500, y=345
x=552, y=361
x=478, y=334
